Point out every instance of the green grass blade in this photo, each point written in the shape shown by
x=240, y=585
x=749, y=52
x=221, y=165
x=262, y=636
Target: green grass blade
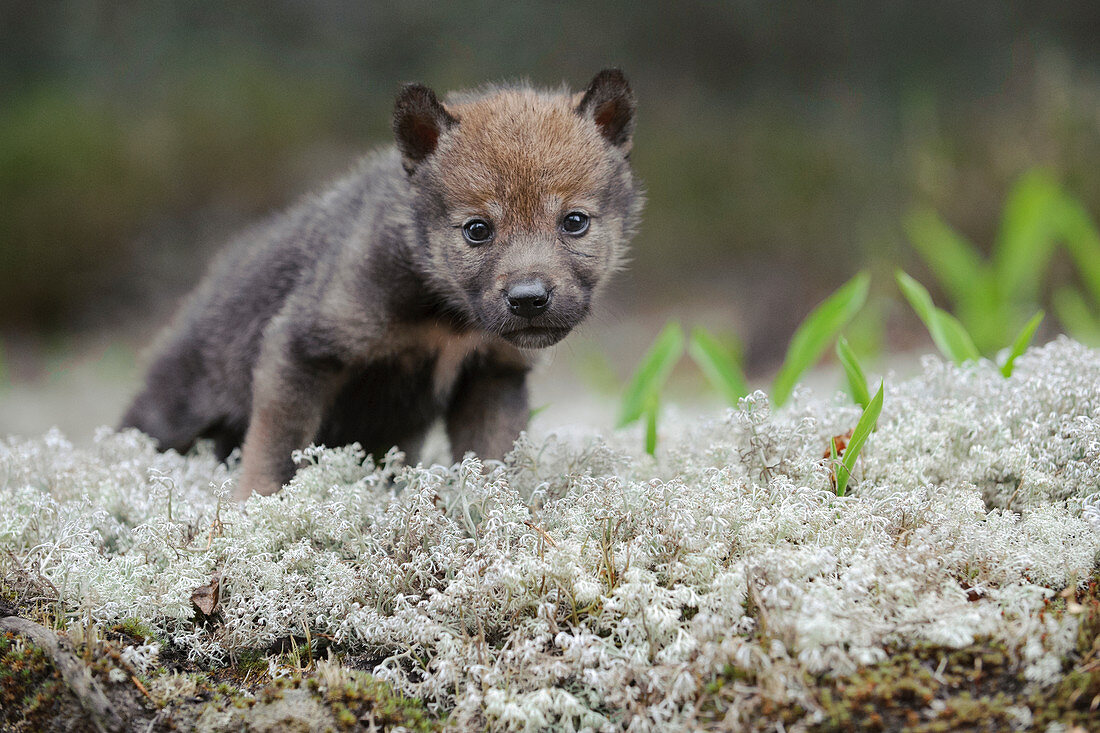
x=866, y=424
x=921, y=302
x=1023, y=339
x=1024, y=241
x=1076, y=316
x=961, y=346
x=954, y=260
x=718, y=364
x=866, y=332
x=653, y=408
x=947, y=333
x=652, y=373
x=816, y=332
x=857, y=381
x=1082, y=239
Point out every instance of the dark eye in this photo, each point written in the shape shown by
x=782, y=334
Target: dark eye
x=575, y=223
x=477, y=231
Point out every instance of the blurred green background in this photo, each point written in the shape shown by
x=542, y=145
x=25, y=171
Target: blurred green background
x=782, y=145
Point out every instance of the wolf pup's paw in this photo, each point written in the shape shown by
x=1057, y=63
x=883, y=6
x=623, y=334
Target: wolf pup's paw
x=251, y=483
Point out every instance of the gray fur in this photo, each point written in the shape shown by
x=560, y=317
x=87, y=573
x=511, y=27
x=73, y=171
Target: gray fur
x=340, y=320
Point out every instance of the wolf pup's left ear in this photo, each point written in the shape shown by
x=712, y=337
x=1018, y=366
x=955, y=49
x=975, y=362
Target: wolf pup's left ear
x=609, y=102
x=418, y=121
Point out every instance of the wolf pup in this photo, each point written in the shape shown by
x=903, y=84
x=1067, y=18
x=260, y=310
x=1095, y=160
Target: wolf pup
x=409, y=291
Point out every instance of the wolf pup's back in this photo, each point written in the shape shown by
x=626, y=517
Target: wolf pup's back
x=410, y=291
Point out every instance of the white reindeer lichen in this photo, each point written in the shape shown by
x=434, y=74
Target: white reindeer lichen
x=582, y=586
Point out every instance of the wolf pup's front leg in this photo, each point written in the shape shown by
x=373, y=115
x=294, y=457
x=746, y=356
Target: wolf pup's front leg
x=488, y=411
x=292, y=385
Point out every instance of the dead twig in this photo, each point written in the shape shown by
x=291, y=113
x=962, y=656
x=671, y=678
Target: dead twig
x=144, y=690
x=542, y=532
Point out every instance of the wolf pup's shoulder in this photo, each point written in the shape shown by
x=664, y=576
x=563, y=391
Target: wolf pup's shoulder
x=410, y=291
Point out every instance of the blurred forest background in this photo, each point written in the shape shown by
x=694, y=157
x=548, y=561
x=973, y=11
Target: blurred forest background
x=782, y=145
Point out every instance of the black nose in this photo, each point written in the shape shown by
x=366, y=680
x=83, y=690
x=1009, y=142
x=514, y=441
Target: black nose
x=527, y=299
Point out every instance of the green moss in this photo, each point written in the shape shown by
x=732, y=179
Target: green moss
x=975, y=685
x=1074, y=701
x=344, y=717
x=364, y=698
x=29, y=686
x=929, y=688
x=135, y=628
x=33, y=696
x=251, y=660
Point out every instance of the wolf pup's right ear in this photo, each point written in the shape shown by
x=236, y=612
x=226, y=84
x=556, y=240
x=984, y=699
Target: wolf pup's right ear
x=418, y=121
x=609, y=102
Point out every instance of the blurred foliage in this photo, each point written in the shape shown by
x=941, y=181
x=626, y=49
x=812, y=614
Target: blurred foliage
x=81, y=175
x=948, y=333
x=952, y=337
x=1021, y=343
x=722, y=365
x=853, y=373
x=991, y=295
x=819, y=331
x=641, y=397
x=135, y=136
x=719, y=363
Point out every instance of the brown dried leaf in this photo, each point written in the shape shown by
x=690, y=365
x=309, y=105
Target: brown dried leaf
x=206, y=597
x=840, y=442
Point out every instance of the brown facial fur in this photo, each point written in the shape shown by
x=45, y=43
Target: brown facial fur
x=522, y=159
x=518, y=151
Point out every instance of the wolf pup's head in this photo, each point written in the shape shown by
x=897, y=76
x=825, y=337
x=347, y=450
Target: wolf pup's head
x=525, y=199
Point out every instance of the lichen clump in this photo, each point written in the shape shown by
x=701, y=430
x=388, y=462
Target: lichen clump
x=581, y=584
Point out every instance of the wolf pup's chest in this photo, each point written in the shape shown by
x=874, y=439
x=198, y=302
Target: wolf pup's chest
x=436, y=354
x=398, y=393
